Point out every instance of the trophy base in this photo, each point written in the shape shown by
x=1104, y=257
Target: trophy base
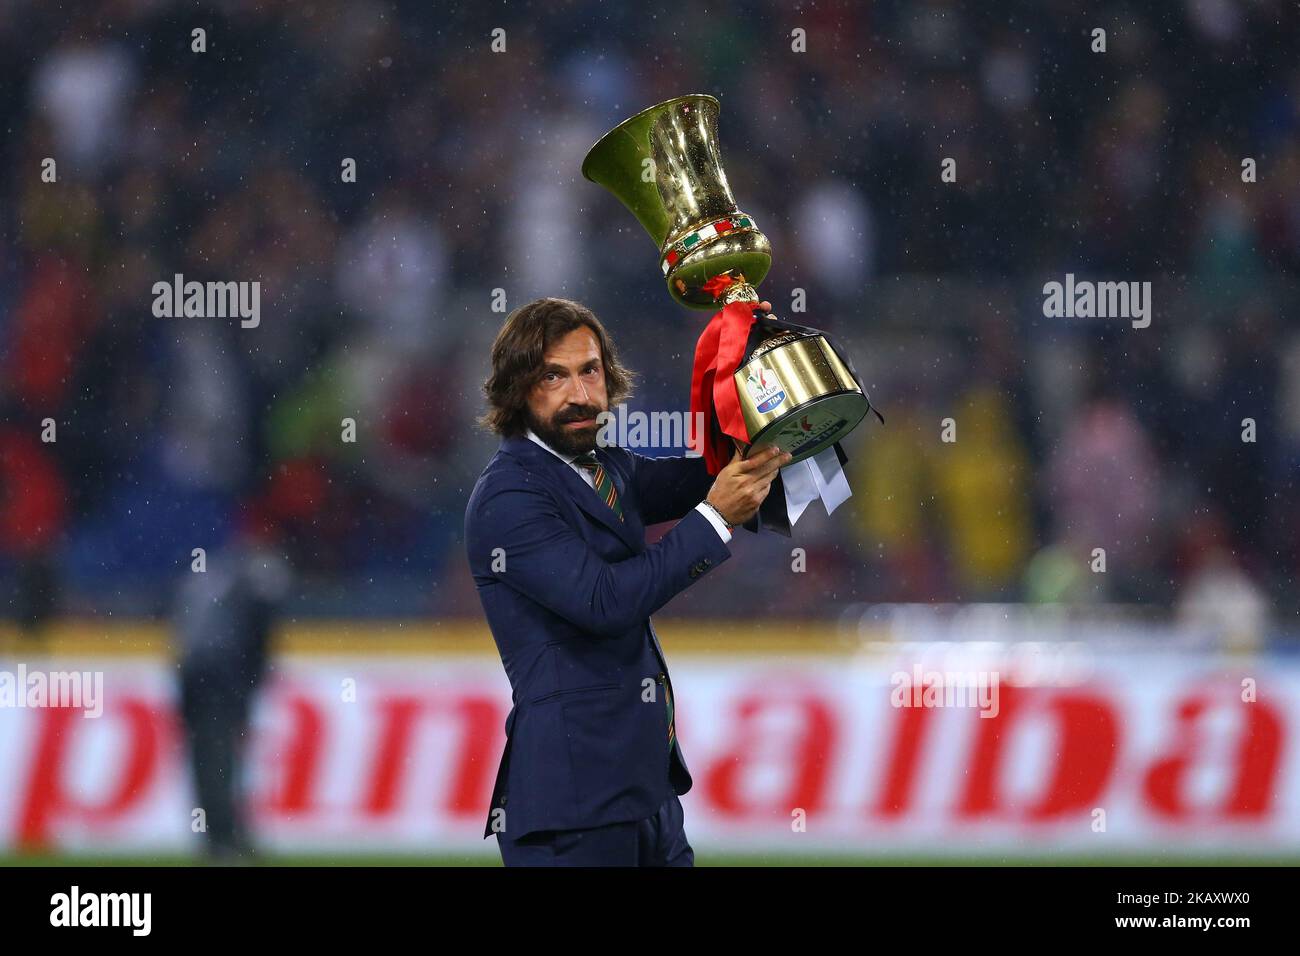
x=811, y=428
x=796, y=393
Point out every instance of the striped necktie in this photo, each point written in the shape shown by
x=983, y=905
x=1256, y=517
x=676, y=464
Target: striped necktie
x=668, y=695
x=604, y=483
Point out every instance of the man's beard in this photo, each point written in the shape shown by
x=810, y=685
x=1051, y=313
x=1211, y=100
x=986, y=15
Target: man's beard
x=565, y=440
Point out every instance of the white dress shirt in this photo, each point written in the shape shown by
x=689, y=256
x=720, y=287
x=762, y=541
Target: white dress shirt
x=585, y=475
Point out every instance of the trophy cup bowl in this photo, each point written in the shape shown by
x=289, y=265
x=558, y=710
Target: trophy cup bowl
x=665, y=165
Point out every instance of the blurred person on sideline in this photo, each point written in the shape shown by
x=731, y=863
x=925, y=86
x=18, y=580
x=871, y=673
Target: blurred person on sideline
x=223, y=622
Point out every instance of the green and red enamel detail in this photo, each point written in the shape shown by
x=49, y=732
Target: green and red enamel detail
x=705, y=234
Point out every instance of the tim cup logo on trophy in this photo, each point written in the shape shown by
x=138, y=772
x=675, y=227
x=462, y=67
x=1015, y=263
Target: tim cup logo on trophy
x=758, y=380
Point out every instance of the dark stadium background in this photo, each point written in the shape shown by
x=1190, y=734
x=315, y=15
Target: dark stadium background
x=377, y=296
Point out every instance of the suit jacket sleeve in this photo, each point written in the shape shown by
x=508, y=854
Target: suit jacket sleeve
x=668, y=488
x=546, y=560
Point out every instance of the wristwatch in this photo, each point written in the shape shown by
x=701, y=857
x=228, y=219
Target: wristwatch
x=708, y=504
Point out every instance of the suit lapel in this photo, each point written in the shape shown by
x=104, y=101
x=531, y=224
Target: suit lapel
x=659, y=651
x=581, y=492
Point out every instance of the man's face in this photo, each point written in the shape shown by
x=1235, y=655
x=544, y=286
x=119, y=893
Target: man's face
x=563, y=406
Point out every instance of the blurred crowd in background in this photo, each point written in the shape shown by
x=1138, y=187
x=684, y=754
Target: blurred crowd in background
x=1072, y=435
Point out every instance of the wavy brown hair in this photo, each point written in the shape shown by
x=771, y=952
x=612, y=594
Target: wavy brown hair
x=517, y=360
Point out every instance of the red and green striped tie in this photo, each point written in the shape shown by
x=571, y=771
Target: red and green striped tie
x=604, y=483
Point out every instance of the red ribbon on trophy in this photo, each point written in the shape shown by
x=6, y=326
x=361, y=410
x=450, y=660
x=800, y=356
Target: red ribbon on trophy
x=719, y=352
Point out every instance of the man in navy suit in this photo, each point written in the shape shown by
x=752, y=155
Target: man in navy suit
x=555, y=533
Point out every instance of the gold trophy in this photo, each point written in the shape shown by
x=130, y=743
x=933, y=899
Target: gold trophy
x=792, y=388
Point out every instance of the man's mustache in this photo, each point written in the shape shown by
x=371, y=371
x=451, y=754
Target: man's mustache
x=576, y=415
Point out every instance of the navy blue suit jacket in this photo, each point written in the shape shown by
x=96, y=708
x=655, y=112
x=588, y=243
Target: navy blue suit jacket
x=568, y=591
